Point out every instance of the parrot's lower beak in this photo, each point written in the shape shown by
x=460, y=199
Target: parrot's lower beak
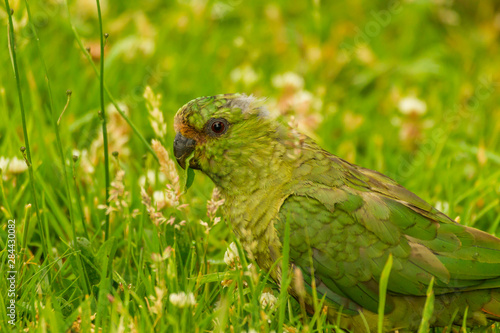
x=183, y=147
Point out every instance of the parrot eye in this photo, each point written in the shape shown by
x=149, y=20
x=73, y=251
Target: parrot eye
x=217, y=127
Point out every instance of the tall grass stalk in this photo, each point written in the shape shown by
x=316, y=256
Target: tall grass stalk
x=103, y=120
x=79, y=198
x=284, y=276
x=110, y=96
x=12, y=49
x=58, y=141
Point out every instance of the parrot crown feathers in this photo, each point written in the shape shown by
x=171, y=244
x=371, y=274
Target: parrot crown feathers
x=241, y=103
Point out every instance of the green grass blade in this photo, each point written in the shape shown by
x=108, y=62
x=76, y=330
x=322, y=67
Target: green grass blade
x=384, y=279
x=12, y=49
x=284, y=277
x=58, y=139
x=428, y=309
x=110, y=96
x=103, y=120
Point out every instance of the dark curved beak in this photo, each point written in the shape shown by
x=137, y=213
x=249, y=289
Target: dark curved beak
x=183, y=147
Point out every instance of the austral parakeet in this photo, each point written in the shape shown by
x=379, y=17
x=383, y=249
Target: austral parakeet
x=344, y=221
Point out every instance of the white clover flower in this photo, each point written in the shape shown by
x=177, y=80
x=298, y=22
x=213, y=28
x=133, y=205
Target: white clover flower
x=245, y=74
x=14, y=166
x=411, y=104
x=288, y=79
x=4, y=162
x=231, y=257
x=306, y=100
x=17, y=166
x=151, y=177
x=182, y=300
x=159, y=198
x=268, y=300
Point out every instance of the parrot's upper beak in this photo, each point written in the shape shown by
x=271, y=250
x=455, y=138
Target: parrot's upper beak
x=183, y=147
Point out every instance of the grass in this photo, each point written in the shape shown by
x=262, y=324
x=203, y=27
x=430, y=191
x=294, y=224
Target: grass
x=353, y=63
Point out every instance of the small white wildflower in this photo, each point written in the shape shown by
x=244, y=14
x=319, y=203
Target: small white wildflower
x=411, y=104
x=182, y=300
x=4, y=162
x=16, y=166
x=231, y=257
x=151, y=177
x=245, y=74
x=306, y=100
x=304, y=96
x=268, y=300
x=288, y=79
x=159, y=199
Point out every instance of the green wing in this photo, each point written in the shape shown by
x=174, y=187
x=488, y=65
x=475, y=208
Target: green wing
x=345, y=221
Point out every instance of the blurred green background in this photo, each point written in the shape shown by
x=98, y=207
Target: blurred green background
x=408, y=88
x=357, y=60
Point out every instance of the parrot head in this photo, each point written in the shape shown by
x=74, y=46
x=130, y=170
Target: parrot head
x=220, y=134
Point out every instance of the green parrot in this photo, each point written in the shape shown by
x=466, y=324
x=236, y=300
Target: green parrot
x=344, y=221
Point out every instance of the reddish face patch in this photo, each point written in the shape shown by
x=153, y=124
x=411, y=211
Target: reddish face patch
x=187, y=131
